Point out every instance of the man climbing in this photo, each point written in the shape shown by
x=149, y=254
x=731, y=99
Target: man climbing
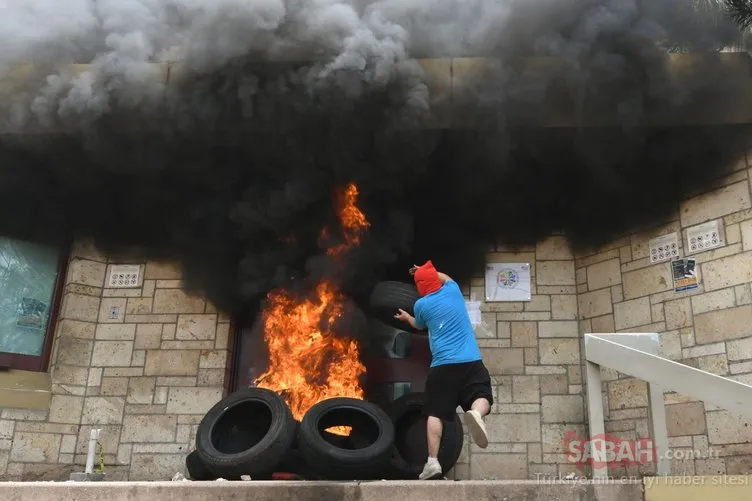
x=457, y=375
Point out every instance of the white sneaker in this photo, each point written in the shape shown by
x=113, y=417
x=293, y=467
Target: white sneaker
x=431, y=471
x=477, y=428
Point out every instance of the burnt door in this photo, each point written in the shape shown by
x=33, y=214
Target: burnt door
x=397, y=363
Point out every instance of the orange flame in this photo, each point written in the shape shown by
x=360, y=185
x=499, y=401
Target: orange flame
x=351, y=218
x=307, y=363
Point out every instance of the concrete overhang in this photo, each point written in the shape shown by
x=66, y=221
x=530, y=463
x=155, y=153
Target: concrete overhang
x=463, y=89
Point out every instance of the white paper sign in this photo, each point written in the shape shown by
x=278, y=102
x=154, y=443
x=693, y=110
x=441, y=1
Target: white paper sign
x=664, y=247
x=473, y=309
x=507, y=282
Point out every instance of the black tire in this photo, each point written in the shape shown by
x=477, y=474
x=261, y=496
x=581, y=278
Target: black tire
x=247, y=433
x=295, y=463
x=196, y=468
x=388, y=297
x=292, y=462
x=410, y=444
x=367, y=454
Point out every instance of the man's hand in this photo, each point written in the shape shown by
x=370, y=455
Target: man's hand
x=403, y=315
x=406, y=317
x=413, y=270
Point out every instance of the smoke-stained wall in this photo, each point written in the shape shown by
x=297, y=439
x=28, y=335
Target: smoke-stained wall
x=536, y=359
x=146, y=377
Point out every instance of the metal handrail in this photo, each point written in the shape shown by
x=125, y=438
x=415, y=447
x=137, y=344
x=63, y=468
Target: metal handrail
x=637, y=355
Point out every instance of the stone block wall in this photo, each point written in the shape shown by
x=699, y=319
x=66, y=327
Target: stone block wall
x=535, y=355
x=709, y=328
x=144, y=372
x=532, y=351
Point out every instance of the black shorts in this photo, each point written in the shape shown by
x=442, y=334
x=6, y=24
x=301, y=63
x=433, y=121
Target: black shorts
x=451, y=385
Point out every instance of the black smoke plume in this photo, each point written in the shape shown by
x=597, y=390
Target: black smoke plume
x=276, y=105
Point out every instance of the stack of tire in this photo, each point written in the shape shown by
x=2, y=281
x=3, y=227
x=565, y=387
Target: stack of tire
x=406, y=413
x=252, y=432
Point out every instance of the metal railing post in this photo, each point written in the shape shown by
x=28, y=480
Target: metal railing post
x=595, y=417
x=658, y=428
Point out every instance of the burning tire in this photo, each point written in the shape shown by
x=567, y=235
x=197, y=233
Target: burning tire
x=196, y=467
x=388, y=297
x=247, y=433
x=410, y=444
x=364, y=456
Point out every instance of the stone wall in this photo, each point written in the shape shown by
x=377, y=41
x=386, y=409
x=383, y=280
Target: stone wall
x=145, y=377
x=709, y=328
x=534, y=349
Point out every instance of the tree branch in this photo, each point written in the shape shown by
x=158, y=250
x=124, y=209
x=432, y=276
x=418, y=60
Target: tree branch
x=741, y=12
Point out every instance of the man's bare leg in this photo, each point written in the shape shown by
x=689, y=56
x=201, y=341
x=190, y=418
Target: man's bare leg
x=434, y=429
x=482, y=406
x=474, y=421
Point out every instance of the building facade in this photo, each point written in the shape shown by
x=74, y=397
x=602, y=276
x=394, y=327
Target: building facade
x=145, y=363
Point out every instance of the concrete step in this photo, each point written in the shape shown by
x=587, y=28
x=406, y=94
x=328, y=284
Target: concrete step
x=681, y=488
x=444, y=490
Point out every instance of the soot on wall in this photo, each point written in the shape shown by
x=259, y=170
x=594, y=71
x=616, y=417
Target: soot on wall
x=243, y=219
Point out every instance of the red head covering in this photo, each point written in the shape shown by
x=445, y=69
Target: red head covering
x=427, y=279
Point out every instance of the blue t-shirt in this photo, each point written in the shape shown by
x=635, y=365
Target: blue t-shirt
x=450, y=335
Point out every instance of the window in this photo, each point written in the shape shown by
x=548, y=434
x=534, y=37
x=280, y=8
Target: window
x=29, y=292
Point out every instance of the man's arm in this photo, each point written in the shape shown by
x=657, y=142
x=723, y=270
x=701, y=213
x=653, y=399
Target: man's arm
x=410, y=320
